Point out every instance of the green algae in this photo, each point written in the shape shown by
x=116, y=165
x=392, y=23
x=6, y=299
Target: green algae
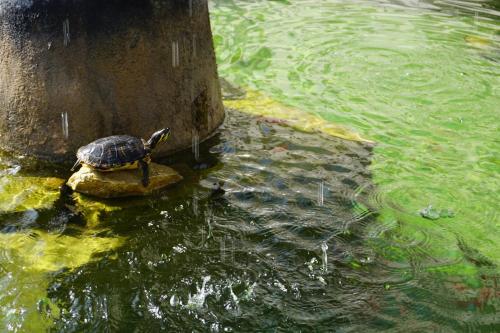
x=258, y=104
x=29, y=259
x=37, y=251
x=30, y=255
x=42, y=251
x=21, y=193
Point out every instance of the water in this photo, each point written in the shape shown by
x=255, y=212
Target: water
x=66, y=32
x=65, y=126
x=175, y=54
x=310, y=232
x=421, y=78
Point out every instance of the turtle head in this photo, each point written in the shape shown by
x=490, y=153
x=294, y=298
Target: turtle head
x=157, y=137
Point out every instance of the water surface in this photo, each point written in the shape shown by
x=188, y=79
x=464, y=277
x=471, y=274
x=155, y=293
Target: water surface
x=312, y=232
x=422, y=79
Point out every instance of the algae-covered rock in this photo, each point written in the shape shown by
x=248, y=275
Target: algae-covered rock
x=40, y=251
x=478, y=41
x=123, y=183
x=432, y=213
x=258, y=104
x=20, y=193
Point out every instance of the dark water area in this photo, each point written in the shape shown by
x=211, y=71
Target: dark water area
x=266, y=228
x=250, y=258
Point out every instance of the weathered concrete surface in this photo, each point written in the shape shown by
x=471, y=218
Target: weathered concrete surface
x=104, y=68
x=123, y=183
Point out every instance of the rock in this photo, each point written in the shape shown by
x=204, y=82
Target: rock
x=123, y=183
x=433, y=214
x=273, y=112
x=21, y=193
x=430, y=213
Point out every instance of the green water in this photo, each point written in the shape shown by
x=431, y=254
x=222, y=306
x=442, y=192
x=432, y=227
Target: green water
x=313, y=233
x=421, y=79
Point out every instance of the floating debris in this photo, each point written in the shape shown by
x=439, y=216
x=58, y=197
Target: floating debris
x=434, y=214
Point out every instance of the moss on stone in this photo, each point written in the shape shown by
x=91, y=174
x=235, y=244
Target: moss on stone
x=260, y=105
x=20, y=193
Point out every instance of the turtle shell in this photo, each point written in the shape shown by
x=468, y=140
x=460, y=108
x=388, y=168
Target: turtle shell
x=112, y=151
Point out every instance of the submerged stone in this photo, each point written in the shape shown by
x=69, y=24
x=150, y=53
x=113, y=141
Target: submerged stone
x=433, y=214
x=21, y=193
x=430, y=213
x=273, y=112
x=124, y=183
x=40, y=251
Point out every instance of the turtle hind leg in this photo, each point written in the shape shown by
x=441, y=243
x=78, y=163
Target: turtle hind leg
x=145, y=172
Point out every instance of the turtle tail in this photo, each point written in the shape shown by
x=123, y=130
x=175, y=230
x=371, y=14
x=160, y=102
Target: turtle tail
x=78, y=161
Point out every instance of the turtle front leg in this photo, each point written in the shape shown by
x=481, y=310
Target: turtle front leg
x=145, y=172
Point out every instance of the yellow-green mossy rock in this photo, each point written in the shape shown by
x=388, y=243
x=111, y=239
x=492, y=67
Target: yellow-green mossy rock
x=123, y=183
x=20, y=193
x=259, y=104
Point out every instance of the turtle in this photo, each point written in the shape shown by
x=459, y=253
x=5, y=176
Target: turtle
x=121, y=152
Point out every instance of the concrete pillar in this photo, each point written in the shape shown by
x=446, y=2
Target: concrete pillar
x=72, y=71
